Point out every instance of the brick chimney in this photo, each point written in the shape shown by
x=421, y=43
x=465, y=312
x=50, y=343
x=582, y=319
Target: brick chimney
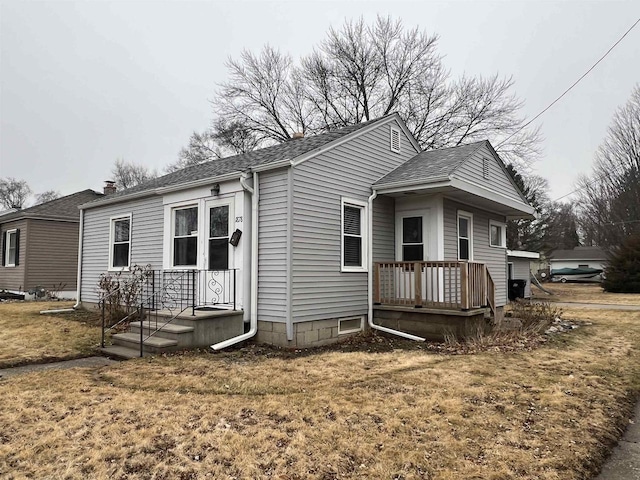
x=109, y=187
x=297, y=135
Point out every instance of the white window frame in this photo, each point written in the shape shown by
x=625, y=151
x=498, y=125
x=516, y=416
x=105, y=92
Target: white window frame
x=395, y=131
x=8, y=233
x=364, y=234
x=112, y=230
x=503, y=233
x=172, y=237
x=469, y=217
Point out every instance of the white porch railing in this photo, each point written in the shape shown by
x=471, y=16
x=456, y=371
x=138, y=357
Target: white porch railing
x=455, y=285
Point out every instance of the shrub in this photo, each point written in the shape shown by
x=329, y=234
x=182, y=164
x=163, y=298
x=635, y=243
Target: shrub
x=534, y=316
x=120, y=293
x=622, y=275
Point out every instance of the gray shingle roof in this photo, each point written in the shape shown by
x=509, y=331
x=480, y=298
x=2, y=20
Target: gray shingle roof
x=579, y=253
x=61, y=208
x=430, y=164
x=238, y=163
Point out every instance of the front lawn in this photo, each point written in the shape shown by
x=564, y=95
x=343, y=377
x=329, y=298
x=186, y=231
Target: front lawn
x=28, y=337
x=403, y=413
x=584, y=293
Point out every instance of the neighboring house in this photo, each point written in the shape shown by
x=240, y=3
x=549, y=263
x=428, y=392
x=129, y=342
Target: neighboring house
x=316, y=237
x=579, y=257
x=40, y=246
x=519, y=267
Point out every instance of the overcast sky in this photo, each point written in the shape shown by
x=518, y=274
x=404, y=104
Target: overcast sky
x=85, y=83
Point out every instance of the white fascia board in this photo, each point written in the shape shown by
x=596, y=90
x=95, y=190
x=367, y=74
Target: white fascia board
x=347, y=138
x=162, y=190
x=412, y=185
x=523, y=254
x=493, y=196
x=197, y=183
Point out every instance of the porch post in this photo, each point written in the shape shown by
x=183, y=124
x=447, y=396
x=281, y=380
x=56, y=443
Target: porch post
x=464, y=285
x=417, y=272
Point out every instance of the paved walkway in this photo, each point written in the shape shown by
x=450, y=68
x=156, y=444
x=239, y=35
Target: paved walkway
x=624, y=462
x=79, y=363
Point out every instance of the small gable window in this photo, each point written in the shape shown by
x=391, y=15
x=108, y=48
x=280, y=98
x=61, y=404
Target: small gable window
x=10, y=252
x=497, y=234
x=354, y=236
x=120, y=243
x=395, y=140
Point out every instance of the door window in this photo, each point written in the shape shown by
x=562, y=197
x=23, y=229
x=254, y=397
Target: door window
x=219, y=238
x=412, y=241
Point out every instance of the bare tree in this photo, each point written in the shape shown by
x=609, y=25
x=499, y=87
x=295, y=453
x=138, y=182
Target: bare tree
x=13, y=193
x=360, y=72
x=610, y=196
x=223, y=139
x=129, y=174
x=46, y=196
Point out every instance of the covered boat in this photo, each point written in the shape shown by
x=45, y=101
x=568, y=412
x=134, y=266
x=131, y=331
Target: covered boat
x=576, y=275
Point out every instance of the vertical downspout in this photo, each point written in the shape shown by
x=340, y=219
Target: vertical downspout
x=289, y=259
x=79, y=279
x=370, y=278
x=246, y=247
x=253, y=329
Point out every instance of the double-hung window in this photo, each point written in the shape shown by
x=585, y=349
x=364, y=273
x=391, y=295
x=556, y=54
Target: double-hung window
x=120, y=249
x=185, y=236
x=11, y=248
x=465, y=235
x=497, y=234
x=354, y=236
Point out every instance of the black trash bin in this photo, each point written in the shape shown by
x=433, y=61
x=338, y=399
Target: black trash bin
x=516, y=288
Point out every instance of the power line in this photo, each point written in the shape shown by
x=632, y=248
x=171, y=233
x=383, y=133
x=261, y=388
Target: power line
x=571, y=87
x=591, y=182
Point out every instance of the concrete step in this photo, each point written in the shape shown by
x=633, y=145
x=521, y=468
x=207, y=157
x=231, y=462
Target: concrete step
x=160, y=325
x=183, y=334
x=153, y=344
x=120, y=352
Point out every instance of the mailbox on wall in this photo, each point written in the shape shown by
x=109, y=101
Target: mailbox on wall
x=235, y=237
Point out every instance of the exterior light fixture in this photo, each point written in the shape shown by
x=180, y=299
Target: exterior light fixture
x=215, y=190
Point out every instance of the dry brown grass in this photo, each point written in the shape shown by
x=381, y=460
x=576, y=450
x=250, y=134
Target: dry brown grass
x=584, y=293
x=550, y=413
x=28, y=337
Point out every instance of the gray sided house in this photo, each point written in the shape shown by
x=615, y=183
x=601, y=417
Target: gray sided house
x=40, y=246
x=314, y=239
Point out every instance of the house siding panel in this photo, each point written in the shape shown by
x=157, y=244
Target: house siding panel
x=384, y=246
x=319, y=289
x=272, y=246
x=472, y=171
x=53, y=255
x=146, y=239
x=495, y=258
x=13, y=278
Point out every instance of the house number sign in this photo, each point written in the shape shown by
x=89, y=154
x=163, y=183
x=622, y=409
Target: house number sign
x=239, y=219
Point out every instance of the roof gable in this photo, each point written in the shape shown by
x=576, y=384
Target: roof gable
x=65, y=208
x=485, y=167
x=297, y=150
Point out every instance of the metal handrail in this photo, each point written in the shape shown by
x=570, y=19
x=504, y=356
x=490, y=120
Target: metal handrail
x=119, y=322
x=199, y=283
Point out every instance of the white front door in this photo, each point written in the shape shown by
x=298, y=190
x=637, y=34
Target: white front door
x=218, y=283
